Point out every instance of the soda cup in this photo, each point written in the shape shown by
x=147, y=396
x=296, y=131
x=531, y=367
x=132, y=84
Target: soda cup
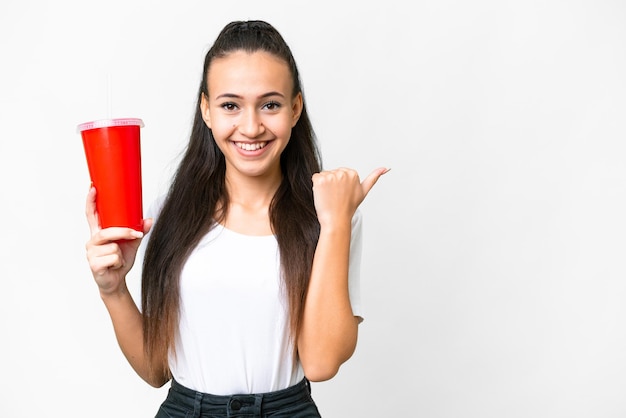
x=113, y=152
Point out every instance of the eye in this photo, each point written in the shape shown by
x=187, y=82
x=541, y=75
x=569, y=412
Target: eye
x=229, y=106
x=272, y=105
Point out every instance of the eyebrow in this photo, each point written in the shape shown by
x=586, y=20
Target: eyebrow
x=236, y=96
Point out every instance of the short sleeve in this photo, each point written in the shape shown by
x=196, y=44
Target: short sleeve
x=354, y=267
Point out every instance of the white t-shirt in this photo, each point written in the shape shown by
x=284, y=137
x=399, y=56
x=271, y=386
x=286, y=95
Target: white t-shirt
x=233, y=332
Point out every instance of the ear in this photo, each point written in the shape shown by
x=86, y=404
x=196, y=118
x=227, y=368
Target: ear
x=204, y=109
x=296, y=109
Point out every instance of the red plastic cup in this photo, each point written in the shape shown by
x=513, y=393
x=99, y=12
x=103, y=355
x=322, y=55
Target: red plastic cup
x=113, y=151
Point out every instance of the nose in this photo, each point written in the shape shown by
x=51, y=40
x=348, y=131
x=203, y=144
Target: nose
x=251, y=124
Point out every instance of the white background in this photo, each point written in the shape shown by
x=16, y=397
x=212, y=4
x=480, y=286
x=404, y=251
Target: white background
x=494, y=261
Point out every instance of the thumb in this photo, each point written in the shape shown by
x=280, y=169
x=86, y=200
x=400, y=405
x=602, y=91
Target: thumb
x=147, y=225
x=371, y=180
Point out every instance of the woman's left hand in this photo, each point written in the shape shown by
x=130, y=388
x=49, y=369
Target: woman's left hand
x=337, y=193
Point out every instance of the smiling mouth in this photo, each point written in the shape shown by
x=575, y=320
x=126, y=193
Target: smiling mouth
x=247, y=146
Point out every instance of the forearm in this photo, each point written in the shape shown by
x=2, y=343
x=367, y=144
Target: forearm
x=128, y=327
x=329, y=329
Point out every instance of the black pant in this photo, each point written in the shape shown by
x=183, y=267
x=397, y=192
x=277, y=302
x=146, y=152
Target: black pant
x=293, y=402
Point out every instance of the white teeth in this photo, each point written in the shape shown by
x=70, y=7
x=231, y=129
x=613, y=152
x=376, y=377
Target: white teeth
x=251, y=147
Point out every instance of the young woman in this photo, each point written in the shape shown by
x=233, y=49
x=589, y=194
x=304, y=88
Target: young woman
x=250, y=272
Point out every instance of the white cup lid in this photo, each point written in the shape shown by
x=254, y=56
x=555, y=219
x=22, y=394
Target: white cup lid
x=105, y=123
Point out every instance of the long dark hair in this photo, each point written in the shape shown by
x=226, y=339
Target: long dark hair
x=198, y=198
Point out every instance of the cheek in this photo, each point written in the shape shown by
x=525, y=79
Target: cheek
x=281, y=127
x=222, y=128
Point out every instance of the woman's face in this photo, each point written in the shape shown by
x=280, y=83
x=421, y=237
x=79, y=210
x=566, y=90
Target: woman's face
x=250, y=110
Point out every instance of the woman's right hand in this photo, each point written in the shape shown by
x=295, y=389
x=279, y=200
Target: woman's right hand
x=111, y=251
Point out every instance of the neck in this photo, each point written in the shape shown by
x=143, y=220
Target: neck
x=252, y=192
x=249, y=202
